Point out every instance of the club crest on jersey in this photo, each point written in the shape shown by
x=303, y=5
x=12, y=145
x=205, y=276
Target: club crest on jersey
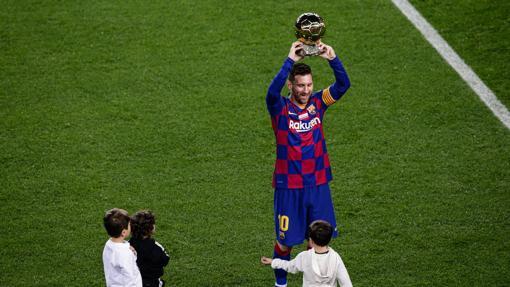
x=311, y=109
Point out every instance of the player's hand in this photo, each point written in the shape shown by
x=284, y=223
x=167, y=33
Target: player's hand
x=327, y=51
x=266, y=261
x=296, y=50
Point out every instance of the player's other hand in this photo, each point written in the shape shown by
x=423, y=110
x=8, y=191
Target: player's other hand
x=266, y=261
x=296, y=50
x=327, y=51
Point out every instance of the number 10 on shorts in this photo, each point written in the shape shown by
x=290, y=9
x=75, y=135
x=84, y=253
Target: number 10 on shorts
x=284, y=222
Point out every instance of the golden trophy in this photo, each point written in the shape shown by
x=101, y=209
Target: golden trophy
x=309, y=29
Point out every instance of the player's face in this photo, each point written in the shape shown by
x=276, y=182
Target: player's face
x=301, y=89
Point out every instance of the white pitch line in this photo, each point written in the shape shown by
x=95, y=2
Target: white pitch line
x=466, y=73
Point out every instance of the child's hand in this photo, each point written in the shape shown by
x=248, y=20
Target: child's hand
x=266, y=261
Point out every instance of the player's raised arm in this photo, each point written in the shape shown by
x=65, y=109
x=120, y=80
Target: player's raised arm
x=274, y=99
x=342, y=82
x=295, y=52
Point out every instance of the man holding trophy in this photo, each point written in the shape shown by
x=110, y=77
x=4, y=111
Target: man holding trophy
x=302, y=170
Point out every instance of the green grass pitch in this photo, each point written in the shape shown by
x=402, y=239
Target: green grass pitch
x=160, y=105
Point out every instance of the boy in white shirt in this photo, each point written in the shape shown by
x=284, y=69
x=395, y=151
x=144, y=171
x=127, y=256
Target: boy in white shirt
x=119, y=258
x=321, y=265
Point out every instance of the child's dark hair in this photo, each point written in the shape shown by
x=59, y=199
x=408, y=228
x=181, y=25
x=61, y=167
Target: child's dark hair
x=142, y=224
x=321, y=232
x=299, y=69
x=115, y=220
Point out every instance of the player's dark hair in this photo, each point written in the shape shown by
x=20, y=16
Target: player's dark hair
x=142, y=224
x=115, y=220
x=299, y=69
x=321, y=232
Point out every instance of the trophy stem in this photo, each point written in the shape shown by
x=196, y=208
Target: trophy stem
x=311, y=50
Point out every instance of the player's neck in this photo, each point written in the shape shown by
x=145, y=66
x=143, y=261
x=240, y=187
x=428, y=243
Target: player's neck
x=301, y=106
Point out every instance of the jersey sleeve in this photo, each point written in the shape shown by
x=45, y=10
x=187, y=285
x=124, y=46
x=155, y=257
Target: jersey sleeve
x=274, y=100
x=342, y=83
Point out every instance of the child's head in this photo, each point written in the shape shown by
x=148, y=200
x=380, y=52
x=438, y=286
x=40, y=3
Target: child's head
x=142, y=224
x=116, y=223
x=321, y=232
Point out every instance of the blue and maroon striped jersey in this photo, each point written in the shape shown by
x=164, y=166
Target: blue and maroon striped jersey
x=301, y=155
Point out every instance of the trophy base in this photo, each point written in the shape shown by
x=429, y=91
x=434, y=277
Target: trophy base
x=310, y=50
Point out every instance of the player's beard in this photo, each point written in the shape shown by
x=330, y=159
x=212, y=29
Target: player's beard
x=302, y=98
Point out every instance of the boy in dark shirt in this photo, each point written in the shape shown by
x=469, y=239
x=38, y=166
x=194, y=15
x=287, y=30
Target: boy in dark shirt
x=152, y=257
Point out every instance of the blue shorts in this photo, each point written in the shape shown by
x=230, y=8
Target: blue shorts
x=295, y=209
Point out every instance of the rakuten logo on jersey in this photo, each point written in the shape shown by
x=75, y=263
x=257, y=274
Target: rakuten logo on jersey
x=302, y=127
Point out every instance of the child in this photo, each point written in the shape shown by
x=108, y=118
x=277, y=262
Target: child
x=321, y=265
x=152, y=257
x=119, y=259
